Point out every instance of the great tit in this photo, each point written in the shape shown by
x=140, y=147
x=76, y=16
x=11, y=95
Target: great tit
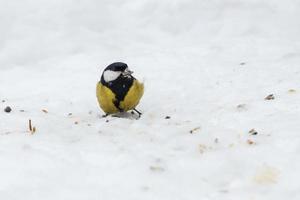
x=118, y=91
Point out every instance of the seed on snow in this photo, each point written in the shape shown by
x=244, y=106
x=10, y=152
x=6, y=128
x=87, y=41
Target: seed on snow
x=253, y=132
x=7, y=109
x=270, y=97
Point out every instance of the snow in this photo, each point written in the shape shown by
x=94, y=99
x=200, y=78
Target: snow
x=208, y=65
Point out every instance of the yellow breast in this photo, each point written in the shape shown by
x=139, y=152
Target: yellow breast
x=106, y=98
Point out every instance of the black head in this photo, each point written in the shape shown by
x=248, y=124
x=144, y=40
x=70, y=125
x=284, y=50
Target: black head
x=116, y=70
x=117, y=66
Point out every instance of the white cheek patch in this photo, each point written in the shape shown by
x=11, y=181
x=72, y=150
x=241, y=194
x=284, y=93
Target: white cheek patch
x=109, y=75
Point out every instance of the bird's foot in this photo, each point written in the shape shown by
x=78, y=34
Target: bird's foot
x=138, y=112
x=104, y=116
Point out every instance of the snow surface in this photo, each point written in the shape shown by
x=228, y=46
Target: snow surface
x=206, y=64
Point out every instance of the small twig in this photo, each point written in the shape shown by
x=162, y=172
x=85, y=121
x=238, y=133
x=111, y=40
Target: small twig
x=270, y=97
x=253, y=132
x=194, y=130
x=32, y=129
x=45, y=111
x=30, y=126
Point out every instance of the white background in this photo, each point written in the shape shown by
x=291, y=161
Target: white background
x=199, y=59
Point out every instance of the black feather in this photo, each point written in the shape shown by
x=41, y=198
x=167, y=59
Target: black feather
x=119, y=87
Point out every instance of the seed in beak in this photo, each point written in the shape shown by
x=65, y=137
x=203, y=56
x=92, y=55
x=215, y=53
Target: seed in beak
x=127, y=72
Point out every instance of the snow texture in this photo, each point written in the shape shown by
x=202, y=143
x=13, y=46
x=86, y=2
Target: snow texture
x=207, y=68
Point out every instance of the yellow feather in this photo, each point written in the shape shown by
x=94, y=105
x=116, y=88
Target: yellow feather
x=133, y=96
x=106, y=98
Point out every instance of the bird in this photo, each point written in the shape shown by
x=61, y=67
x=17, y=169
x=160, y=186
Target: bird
x=118, y=91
